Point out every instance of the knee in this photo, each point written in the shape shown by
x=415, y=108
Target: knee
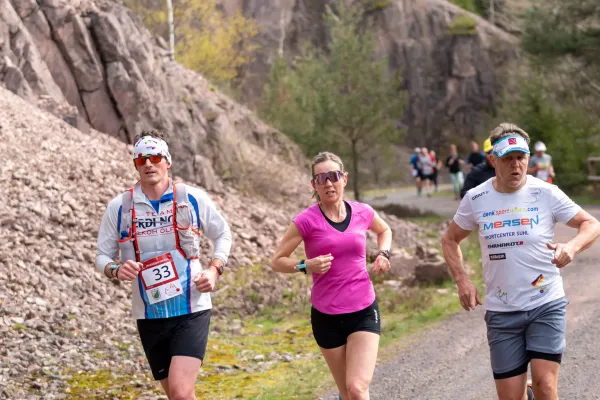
x=544, y=387
x=357, y=389
x=180, y=394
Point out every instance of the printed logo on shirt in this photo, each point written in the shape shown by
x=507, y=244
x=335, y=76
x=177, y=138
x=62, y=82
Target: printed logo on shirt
x=513, y=210
x=505, y=234
x=512, y=222
x=535, y=193
x=497, y=256
x=505, y=245
x=502, y=295
x=537, y=281
x=479, y=195
x=542, y=292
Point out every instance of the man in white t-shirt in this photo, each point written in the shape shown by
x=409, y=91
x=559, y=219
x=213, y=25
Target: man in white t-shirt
x=514, y=214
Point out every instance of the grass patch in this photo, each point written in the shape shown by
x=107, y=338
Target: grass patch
x=585, y=200
x=463, y=25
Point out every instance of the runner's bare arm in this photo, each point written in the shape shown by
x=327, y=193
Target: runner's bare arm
x=384, y=242
x=588, y=231
x=451, y=249
x=383, y=231
x=282, y=262
x=469, y=297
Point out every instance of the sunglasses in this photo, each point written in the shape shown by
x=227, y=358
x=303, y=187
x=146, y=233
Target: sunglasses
x=333, y=176
x=153, y=160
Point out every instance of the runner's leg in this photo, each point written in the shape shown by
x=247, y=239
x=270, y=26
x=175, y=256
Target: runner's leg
x=336, y=361
x=165, y=385
x=514, y=388
x=182, y=377
x=545, y=379
x=361, y=358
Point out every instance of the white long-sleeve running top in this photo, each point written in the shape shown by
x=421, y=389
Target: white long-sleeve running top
x=156, y=237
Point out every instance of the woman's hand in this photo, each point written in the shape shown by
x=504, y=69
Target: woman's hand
x=382, y=264
x=319, y=265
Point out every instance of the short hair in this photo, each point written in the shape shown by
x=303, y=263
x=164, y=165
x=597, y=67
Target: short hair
x=507, y=129
x=152, y=133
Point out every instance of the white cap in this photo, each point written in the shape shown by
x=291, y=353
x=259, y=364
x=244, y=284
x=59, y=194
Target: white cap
x=540, y=146
x=417, y=149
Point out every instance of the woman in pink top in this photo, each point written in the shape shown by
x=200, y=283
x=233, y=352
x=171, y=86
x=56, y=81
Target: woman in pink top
x=345, y=316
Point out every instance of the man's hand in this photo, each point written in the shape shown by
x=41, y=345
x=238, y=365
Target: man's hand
x=206, y=281
x=381, y=265
x=129, y=270
x=468, y=294
x=563, y=254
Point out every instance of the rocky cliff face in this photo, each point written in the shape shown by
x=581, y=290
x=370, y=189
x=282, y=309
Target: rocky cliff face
x=452, y=80
x=94, y=64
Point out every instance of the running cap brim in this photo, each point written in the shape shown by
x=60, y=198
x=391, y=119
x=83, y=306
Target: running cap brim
x=510, y=144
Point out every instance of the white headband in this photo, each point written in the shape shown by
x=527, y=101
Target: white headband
x=151, y=146
x=509, y=144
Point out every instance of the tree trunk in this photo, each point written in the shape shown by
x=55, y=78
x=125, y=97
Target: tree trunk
x=171, y=29
x=492, y=13
x=355, y=185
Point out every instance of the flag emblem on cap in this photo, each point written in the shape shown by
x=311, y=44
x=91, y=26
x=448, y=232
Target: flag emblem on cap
x=512, y=140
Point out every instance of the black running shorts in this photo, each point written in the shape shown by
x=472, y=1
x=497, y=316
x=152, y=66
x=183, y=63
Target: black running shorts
x=163, y=338
x=332, y=330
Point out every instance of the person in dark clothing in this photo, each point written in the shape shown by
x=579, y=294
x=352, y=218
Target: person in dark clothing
x=476, y=157
x=479, y=173
x=454, y=161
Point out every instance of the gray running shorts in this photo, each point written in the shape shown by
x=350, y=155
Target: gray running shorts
x=517, y=337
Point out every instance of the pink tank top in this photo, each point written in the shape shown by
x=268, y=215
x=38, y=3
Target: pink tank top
x=346, y=287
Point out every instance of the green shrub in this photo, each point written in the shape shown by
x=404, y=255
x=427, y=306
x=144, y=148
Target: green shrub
x=463, y=25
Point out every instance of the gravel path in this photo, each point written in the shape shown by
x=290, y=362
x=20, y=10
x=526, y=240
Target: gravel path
x=451, y=360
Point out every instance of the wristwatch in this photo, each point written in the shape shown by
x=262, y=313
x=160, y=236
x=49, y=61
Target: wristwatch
x=111, y=269
x=301, y=266
x=385, y=253
x=220, y=269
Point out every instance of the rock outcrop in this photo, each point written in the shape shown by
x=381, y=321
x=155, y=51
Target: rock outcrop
x=453, y=80
x=99, y=59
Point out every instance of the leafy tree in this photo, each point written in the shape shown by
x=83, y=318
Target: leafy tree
x=341, y=98
x=206, y=40
x=570, y=134
x=564, y=37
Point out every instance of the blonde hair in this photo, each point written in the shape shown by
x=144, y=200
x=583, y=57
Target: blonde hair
x=322, y=157
x=507, y=129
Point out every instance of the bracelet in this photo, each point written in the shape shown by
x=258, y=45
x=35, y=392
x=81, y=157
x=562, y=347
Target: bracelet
x=117, y=272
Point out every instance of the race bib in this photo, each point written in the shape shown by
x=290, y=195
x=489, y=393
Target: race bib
x=160, y=279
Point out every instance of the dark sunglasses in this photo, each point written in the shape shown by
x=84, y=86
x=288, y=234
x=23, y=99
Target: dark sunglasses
x=333, y=176
x=153, y=160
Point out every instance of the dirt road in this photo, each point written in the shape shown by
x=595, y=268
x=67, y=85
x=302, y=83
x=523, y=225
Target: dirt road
x=451, y=360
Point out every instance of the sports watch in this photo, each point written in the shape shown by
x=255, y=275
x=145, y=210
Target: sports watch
x=111, y=269
x=301, y=266
x=385, y=253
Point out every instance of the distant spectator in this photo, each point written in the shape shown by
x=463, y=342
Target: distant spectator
x=476, y=157
x=453, y=163
x=540, y=164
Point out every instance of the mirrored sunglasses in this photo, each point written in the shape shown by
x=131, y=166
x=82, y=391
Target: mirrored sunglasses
x=333, y=176
x=153, y=160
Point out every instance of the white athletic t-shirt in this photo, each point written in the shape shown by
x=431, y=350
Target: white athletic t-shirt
x=513, y=231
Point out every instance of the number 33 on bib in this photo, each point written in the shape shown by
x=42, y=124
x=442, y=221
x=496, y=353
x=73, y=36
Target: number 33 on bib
x=160, y=279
